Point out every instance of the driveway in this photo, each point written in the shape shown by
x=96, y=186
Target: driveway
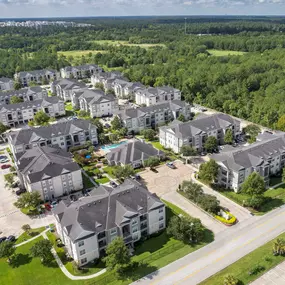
x=165, y=183
x=11, y=218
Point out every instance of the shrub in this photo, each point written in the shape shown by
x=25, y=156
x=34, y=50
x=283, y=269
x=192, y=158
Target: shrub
x=231, y=221
x=256, y=269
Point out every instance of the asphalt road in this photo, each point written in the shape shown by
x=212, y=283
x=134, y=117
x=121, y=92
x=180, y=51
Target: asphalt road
x=225, y=250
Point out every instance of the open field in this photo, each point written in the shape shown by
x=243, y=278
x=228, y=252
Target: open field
x=262, y=257
x=79, y=53
x=126, y=43
x=216, y=52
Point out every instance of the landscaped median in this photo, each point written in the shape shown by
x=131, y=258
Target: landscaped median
x=229, y=220
x=250, y=267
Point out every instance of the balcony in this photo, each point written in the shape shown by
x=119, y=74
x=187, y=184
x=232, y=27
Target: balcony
x=102, y=243
x=143, y=218
x=143, y=226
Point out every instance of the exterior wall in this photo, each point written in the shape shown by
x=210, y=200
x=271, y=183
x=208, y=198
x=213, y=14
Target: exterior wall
x=154, y=222
x=38, y=78
x=7, y=86
x=102, y=109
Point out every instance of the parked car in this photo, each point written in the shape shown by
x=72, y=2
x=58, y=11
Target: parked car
x=138, y=177
x=53, y=204
x=113, y=184
x=11, y=238
x=3, y=157
x=20, y=191
x=203, y=153
x=2, y=239
x=170, y=165
x=5, y=166
x=3, y=160
x=47, y=206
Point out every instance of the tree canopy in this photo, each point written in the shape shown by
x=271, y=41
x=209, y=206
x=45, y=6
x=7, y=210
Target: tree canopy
x=41, y=118
x=211, y=144
x=228, y=137
x=254, y=184
x=188, y=150
x=208, y=171
x=16, y=99
x=28, y=199
x=42, y=249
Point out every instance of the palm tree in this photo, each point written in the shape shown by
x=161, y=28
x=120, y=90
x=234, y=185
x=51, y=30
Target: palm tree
x=230, y=280
x=279, y=247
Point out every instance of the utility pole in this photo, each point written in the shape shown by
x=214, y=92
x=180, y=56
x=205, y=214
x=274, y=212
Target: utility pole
x=185, y=26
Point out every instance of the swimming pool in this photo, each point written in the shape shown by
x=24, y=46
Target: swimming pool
x=112, y=146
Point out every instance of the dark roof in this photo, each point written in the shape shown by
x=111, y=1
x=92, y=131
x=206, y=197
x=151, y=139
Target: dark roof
x=34, y=134
x=41, y=163
x=133, y=151
x=22, y=92
x=107, y=208
x=41, y=72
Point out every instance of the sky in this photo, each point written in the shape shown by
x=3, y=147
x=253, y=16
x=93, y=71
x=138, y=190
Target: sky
x=80, y=8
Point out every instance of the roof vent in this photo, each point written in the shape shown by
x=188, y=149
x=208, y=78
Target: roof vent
x=99, y=201
x=94, y=203
x=118, y=194
x=128, y=191
x=88, y=205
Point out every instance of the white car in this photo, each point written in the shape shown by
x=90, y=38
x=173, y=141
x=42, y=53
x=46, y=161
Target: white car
x=3, y=160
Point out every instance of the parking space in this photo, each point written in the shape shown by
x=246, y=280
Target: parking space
x=275, y=276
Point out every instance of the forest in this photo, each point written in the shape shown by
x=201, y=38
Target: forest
x=249, y=85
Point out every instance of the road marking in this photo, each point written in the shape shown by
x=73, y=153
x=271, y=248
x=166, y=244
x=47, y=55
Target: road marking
x=248, y=242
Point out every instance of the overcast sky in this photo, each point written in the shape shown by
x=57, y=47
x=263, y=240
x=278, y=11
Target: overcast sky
x=71, y=8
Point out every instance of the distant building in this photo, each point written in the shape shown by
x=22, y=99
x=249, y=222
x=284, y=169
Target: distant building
x=89, y=224
x=195, y=133
x=134, y=153
x=21, y=113
x=37, y=76
x=125, y=89
x=6, y=84
x=153, y=95
x=63, y=135
x=49, y=171
x=106, y=79
x=26, y=94
x=154, y=116
x=81, y=71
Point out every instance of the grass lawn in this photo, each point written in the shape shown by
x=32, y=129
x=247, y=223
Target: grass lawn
x=126, y=43
x=102, y=180
x=157, y=145
x=109, y=171
x=274, y=180
x=86, y=182
x=33, y=232
x=216, y=52
x=68, y=106
x=262, y=256
x=79, y=53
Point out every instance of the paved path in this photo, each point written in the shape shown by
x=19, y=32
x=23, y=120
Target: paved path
x=228, y=247
x=275, y=276
x=31, y=239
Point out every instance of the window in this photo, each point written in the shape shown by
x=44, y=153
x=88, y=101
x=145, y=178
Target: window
x=81, y=243
x=160, y=210
x=82, y=252
x=135, y=230
x=113, y=231
x=161, y=226
x=62, y=143
x=63, y=178
x=161, y=218
x=50, y=182
x=134, y=222
x=83, y=260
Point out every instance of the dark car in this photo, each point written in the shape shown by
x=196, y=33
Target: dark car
x=2, y=239
x=5, y=166
x=21, y=191
x=11, y=238
x=113, y=184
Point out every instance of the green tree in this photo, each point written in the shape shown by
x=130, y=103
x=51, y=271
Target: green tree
x=3, y=128
x=281, y=123
x=7, y=249
x=279, y=247
x=148, y=134
x=228, y=139
x=99, y=86
x=208, y=171
x=252, y=131
x=211, y=144
x=152, y=161
x=98, y=124
x=17, y=85
x=123, y=171
x=122, y=132
x=209, y=203
x=28, y=199
x=15, y=99
x=255, y=201
x=114, y=137
x=117, y=256
x=103, y=139
x=42, y=249
x=181, y=118
x=41, y=118
x=9, y=179
x=253, y=185
x=33, y=84
x=230, y=280
x=116, y=123
x=83, y=114
x=192, y=190
x=188, y=150
x=187, y=229
x=283, y=175
x=26, y=228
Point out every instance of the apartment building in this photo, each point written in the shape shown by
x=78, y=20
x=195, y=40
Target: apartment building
x=89, y=224
x=49, y=171
x=125, y=89
x=154, y=116
x=195, y=133
x=21, y=113
x=64, y=88
x=153, y=95
x=26, y=94
x=81, y=71
x=37, y=76
x=133, y=153
x=96, y=102
x=6, y=84
x=266, y=156
x=106, y=78
x=61, y=135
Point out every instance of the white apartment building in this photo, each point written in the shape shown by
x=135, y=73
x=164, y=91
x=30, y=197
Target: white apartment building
x=26, y=94
x=89, y=224
x=49, y=171
x=6, y=84
x=153, y=95
x=125, y=89
x=154, y=116
x=106, y=78
x=63, y=135
x=21, y=113
x=81, y=71
x=266, y=156
x=37, y=76
x=97, y=103
x=195, y=133
x=64, y=88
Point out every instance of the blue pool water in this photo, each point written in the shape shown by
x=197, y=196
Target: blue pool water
x=106, y=147
x=88, y=156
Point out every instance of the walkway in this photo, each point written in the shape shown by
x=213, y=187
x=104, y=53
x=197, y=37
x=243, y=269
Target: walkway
x=31, y=239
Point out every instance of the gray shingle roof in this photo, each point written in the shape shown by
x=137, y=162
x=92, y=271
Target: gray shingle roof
x=69, y=84
x=22, y=92
x=33, y=134
x=84, y=67
x=41, y=72
x=41, y=163
x=156, y=91
x=253, y=155
x=106, y=209
x=95, y=96
x=5, y=80
x=132, y=151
